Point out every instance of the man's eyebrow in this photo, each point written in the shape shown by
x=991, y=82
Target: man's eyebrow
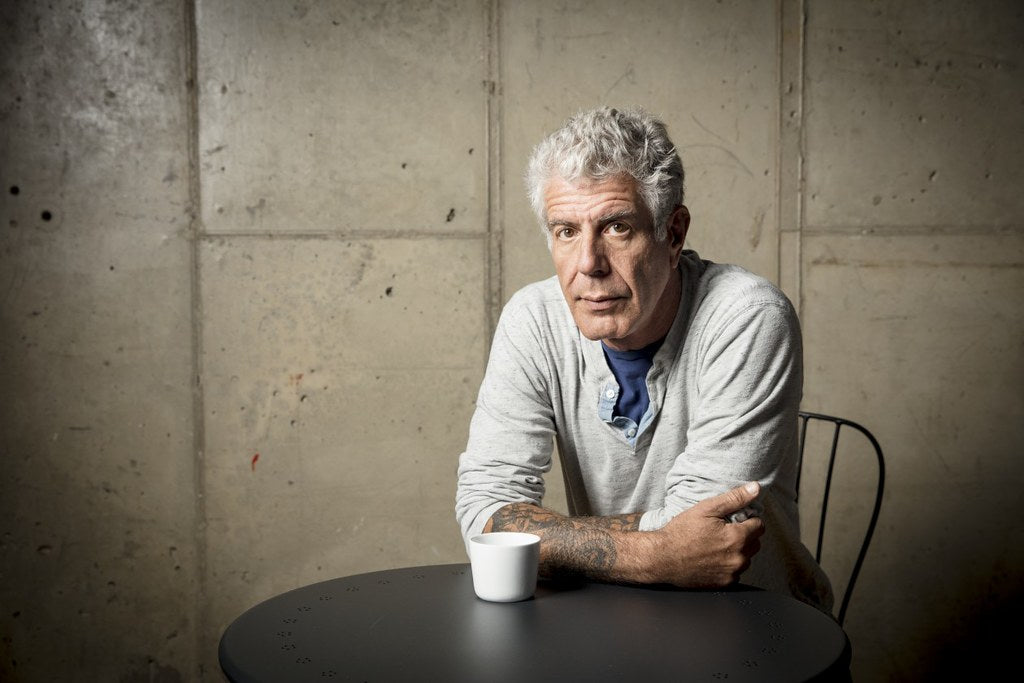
x=603, y=220
x=560, y=222
x=617, y=215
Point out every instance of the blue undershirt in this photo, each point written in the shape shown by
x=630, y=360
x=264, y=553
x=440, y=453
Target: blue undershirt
x=630, y=369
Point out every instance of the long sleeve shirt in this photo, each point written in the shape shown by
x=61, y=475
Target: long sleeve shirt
x=724, y=390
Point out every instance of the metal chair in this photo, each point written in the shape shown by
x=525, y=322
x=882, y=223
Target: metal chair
x=839, y=423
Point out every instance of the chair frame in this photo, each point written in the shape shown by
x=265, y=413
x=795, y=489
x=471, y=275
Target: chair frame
x=839, y=423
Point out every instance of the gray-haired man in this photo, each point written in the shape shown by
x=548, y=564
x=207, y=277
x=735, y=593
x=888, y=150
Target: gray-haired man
x=670, y=385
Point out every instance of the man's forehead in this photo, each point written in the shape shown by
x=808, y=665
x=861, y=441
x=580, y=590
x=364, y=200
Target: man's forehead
x=594, y=197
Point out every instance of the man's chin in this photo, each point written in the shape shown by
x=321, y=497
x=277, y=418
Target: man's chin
x=597, y=332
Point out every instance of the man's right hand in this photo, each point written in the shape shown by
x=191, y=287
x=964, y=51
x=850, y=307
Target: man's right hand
x=699, y=548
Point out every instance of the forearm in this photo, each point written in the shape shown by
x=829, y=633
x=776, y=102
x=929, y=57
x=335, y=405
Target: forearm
x=603, y=548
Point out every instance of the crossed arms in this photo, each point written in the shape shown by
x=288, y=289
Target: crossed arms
x=698, y=548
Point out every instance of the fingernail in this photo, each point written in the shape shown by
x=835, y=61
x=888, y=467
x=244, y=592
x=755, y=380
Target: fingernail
x=751, y=487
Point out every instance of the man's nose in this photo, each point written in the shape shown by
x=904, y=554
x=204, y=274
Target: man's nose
x=592, y=258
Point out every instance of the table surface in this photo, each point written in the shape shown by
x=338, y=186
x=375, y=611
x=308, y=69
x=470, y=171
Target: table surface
x=425, y=623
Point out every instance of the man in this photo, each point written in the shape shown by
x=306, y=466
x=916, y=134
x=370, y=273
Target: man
x=670, y=385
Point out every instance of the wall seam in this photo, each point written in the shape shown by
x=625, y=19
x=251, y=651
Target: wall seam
x=789, y=159
x=210, y=235
x=495, y=234
x=802, y=137
x=195, y=235
x=780, y=140
x=877, y=230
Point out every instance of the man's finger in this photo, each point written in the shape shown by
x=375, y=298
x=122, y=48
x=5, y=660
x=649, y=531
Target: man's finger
x=754, y=526
x=732, y=501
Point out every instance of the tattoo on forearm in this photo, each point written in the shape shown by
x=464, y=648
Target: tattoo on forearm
x=570, y=545
x=630, y=522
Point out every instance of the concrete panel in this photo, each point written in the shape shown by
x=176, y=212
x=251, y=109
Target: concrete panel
x=709, y=70
x=341, y=117
x=914, y=114
x=96, y=500
x=351, y=369
x=919, y=339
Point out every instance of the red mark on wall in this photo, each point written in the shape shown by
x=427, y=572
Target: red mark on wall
x=295, y=379
x=255, y=457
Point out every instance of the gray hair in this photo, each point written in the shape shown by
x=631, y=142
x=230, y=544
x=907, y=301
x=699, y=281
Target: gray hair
x=604, y=143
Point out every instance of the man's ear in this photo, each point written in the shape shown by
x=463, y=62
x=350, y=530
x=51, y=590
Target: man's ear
x=678, y=226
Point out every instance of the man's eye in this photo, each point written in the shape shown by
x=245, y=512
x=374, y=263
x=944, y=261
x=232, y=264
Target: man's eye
x=564, y=233
x=618, y=228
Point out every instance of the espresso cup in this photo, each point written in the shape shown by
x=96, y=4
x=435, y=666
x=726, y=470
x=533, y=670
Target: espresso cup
x=504, y=565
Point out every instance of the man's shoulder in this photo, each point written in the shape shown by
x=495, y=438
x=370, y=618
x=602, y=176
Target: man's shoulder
x=540, y=293
x=730, y=302
x=536, y=321
x=539, y=306
x=732, y=286
x=538, y=300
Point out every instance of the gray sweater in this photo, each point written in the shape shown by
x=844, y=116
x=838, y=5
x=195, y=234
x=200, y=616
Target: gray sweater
x=724, y=391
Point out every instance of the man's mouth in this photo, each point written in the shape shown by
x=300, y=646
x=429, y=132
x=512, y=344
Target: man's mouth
x=599, y=302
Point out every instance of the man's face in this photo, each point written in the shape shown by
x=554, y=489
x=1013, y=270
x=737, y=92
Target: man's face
x=619, y=281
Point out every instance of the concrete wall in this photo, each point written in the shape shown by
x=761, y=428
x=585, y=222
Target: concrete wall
x=252, y=253
x=99, y=555
x=910, y=270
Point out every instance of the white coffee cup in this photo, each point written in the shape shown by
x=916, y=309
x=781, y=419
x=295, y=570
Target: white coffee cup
x=504, y=565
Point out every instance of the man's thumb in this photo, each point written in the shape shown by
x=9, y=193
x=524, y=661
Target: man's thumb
x=732, y=501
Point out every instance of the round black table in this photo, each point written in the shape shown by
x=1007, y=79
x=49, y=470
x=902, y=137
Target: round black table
x=425, y=623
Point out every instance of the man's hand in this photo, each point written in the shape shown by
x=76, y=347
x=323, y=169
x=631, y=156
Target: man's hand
x=699, y=548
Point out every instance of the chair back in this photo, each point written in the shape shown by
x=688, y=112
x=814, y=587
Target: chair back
x=838, y=425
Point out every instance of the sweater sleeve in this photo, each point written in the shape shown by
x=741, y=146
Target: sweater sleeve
x=746, y=390
x=511, y=434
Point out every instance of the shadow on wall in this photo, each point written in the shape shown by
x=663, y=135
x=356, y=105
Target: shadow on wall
x=969, y=599
x=979, y=641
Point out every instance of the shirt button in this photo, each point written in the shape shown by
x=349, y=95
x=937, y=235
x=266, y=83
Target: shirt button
x=631, y=433
x=610, y=393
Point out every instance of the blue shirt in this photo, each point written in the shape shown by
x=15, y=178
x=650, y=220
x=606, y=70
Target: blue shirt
x=631, y=401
